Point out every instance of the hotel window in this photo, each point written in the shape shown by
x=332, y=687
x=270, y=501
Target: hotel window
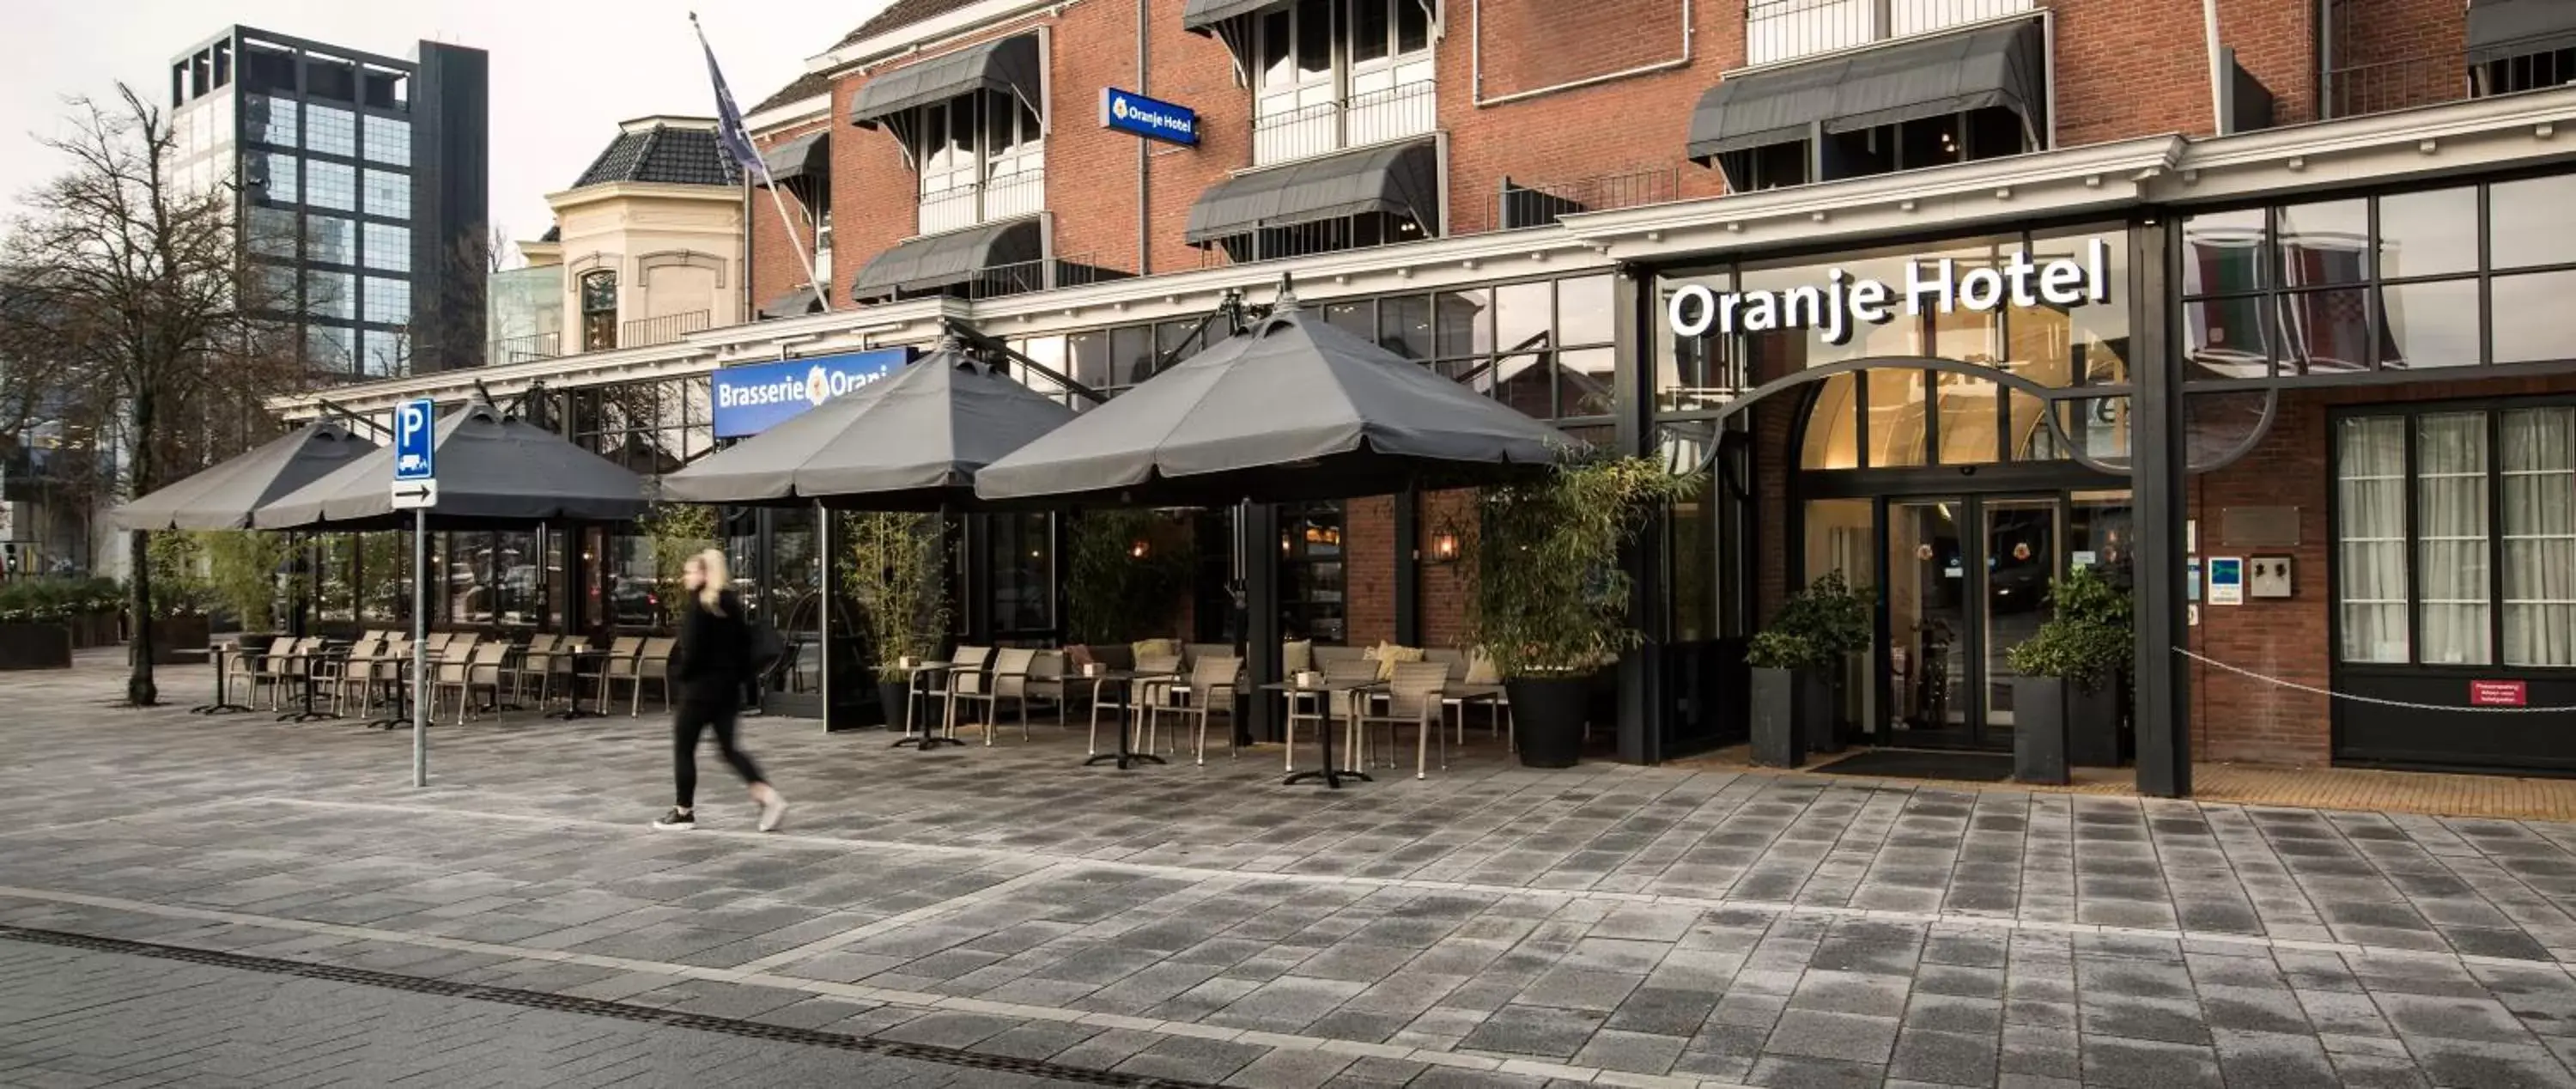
x=2453, y=277
x=1782, y=30
x=2455, y=536
x=598, y=311
x=1334, y=74
x=981, y=157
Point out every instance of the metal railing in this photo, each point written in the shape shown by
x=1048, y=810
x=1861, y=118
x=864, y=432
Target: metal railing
x=1410, y=109
x=533, y=346
x=1023, y=277
x=1006, y=196
x=1522, y=204
x=1781, y=30
x=2354, y=90
x=646, y=332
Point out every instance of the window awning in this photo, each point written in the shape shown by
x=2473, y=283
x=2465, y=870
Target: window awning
x=1400, y=179
x=794, y=304
x=937, y=261
x=1204, y=16
x=2505, y=29
x=1009, y=65
x=807, y=158
x=2004, y=66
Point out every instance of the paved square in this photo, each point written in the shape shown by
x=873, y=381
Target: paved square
x=1488, y=926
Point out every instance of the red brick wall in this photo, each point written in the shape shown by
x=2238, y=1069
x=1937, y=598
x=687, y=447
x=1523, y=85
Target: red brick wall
x=1368, y=570
x=2238, y=718
x=776, y=265
x=2392, y=54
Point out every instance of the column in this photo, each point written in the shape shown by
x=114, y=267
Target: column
x=2157, y=479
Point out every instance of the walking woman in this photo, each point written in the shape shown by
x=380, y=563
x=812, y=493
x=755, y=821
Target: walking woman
x=709, y=668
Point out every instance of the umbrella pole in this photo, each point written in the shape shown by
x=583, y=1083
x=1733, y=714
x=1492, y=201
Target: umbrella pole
x=823, y=617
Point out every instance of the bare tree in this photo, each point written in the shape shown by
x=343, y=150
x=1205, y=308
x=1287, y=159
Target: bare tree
x=145, y=317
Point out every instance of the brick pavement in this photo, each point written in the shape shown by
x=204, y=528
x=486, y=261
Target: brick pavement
x=1488, y=926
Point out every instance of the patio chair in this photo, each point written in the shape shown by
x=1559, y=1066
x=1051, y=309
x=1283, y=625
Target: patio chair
x=537, y=661
x=651, y=664
x=359, y=666
x=480, y=668
x=1007, y=680
x=252, y=668
x=1313, y=706
x=1412, y=698
x=618, y=664
x=967, y=666
x=285, y=668
x=1191, y=653
x=1143, y=694
x=1326, y=654
x=1211, y=688
x=1047, y=681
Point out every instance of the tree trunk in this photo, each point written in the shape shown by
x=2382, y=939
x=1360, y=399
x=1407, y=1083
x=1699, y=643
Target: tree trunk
x=140, y=690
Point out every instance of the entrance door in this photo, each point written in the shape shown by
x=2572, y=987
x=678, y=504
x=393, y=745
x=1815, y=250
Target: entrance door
x=1966, y=580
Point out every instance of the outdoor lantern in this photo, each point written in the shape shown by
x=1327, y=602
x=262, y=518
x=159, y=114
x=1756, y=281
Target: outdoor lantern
x=1139, y=549
x=1444, y=547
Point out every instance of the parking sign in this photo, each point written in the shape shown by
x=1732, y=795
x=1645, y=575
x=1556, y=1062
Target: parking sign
x=415, y=432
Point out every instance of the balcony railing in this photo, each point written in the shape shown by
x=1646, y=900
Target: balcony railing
x=1524, y=204
x=1411, y=109
x=533, y=346
x=647, y=332
x=1005, y=196
x=1027, y=276
x=1783, y=30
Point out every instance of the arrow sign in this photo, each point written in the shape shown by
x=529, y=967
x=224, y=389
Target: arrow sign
x=415, y=494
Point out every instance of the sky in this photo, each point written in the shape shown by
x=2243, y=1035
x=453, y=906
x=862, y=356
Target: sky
x=564, y=72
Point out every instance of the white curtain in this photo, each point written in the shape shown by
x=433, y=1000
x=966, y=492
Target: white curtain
x=2451, y=537
x=2538, y=461
x=2370, y=536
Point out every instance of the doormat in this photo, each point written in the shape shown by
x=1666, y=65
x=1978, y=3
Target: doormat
x=1974, y=767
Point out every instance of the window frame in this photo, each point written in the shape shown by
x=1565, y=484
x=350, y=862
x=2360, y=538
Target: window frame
x=983, y=169
x=2493, y=411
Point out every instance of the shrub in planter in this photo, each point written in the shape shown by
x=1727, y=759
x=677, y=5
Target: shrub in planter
x=1796, y=662
x=1550, y=605
x=35, y=624
x=2066, y=697
x=894, y=575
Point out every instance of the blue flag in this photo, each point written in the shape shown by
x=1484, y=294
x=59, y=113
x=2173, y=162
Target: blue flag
x=730, y=131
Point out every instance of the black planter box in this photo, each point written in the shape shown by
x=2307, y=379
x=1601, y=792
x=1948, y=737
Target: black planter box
x=2039, y=730
x=181, y=640
x=1792, y=710
x=1548, y=714
x=35, y=646
x=2093, y=725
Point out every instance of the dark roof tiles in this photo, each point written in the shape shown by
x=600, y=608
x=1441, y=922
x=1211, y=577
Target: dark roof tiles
x=663, y=154
x=806, y=86
x=903, y=13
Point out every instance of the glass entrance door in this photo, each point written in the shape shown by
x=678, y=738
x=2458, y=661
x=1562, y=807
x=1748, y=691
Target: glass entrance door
x=1966, y=580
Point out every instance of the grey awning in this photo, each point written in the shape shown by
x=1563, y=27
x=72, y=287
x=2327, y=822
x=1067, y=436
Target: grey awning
x=2505, y=29
x=1401, y=179
x=938, y=261
x=798, y=303
x=1992, y=66
x=1009, y=65
x=223, y=496
x=1203, y=16
x=807, y=158
x=493, y=470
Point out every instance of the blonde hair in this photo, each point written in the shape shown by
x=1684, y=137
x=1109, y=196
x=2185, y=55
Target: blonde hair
x=711, y=564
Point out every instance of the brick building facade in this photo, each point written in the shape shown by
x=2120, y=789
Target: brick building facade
x=1593, y=161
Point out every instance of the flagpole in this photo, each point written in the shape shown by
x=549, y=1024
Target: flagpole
x=730, y=125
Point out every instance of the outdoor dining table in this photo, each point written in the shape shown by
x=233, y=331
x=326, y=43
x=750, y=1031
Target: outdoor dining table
x=1329, y=775
x=1125, y=680
x=916, y=691
x=402, y=685
x=579, y=655
x=219, y=654
x=1459, y=694
x=305, y=663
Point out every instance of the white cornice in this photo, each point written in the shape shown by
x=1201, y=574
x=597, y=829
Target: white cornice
x=2471, y=135
x=2017, y=188
x=593, y=194
x=928, y=33
x=802, y=111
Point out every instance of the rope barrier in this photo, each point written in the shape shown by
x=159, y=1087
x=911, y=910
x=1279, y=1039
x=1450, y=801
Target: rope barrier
x=2357, y=698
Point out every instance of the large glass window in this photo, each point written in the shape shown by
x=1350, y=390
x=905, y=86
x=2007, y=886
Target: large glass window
x=274, y=173
x=2455, y=536
x=387, y=193
x=1023, y=573
x=2388, y=282
x=387, y=141
x=330, y=130
x=388, y=301
x=1334, y=74
x=331, y=185
x=981, y=158
x=598, y=311
x=388, y=246
x=330, y=239
x=272, y=232
x=1312, y=574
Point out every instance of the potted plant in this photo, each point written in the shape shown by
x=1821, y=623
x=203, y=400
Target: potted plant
x=895, y=577
x=241, y=573
x=2066, y=692
x=35, y=628
x=1796, y=662
x=676, y=532
x=1550, y=605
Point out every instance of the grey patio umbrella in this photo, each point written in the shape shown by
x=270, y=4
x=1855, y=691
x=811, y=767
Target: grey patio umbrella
x=493, y=470
x=1293, y=409
x=224, y=495
x=913, y=441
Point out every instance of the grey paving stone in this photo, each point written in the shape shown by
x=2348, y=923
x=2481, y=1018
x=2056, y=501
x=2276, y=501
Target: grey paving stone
x=2148, y=1064
x=1845, y=1037
x=1191, y=1059
x=1541, y=1031
x=1635, y=1052
x=1284, y=1069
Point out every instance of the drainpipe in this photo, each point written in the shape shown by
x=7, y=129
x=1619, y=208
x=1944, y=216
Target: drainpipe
x=2217, y=68
x=1144, y=150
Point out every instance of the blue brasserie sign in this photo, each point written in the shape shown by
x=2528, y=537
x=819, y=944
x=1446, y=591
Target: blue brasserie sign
x=752, y=399
x=1151, y=118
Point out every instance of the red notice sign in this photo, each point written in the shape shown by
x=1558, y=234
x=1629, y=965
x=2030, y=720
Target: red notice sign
x=2498, y=694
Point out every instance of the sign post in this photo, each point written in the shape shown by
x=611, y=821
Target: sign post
x=415, y=487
